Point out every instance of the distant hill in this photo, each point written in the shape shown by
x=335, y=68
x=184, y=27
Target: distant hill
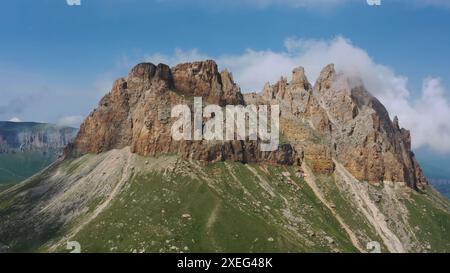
x=437, y=168
x=442, y=185
x=28, y=147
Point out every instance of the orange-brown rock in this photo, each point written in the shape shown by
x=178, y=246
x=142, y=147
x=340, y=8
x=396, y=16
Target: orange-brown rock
x=137, y=113
x=202, y=79
x=338, y=119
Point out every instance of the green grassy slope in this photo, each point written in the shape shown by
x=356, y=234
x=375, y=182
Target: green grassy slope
x=214, y=213
x=430, y=218
x=167, y=204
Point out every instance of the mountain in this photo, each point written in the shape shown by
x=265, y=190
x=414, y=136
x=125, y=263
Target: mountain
x=28, y=147
x=343, y=176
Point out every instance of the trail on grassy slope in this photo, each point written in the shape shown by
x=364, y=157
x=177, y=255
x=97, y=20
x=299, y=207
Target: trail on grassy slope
x=127, y=166
x=309, y=178
x=370, y=211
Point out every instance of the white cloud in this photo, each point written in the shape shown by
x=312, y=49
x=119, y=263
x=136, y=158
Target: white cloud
x=179, y=56
x=251, y=69
x=15, y=119
x=426, y=116
x=70, y=121
x=73, y=2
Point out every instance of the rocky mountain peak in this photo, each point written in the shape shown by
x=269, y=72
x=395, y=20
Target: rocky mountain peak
x=137, y=113
x=204, y=79
x=396, y=124
x=299, y=79
x=335, y=121
x=326, y=78
x=144, y=74
x=231, y=91
x=341, y=121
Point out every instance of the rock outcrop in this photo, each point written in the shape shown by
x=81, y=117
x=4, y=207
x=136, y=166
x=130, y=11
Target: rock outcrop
x=202, y=79
x=338, y=119
x=137, y=113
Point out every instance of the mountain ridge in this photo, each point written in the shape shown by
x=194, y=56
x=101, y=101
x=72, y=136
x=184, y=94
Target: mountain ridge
x=28, y=147
x=345, y=178
x=356, y=125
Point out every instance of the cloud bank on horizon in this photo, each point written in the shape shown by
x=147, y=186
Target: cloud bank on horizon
x=426, y=116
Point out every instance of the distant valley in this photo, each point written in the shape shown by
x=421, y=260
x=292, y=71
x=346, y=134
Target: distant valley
x=28, y=147
x=437, y=168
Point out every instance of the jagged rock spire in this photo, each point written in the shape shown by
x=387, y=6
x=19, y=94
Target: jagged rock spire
x=326, y=78
x=299, y=78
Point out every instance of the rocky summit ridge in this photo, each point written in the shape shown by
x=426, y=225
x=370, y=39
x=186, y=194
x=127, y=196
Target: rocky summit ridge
x=334, y=120
x=338, y=119
x=137, y=113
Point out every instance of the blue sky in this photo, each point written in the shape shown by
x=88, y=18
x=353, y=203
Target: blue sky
x=48, y=35
x=57, y=60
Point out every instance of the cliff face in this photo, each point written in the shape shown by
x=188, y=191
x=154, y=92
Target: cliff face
x=338, y=119
x=334, y=120
x=137, y=113
x=28, y=136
